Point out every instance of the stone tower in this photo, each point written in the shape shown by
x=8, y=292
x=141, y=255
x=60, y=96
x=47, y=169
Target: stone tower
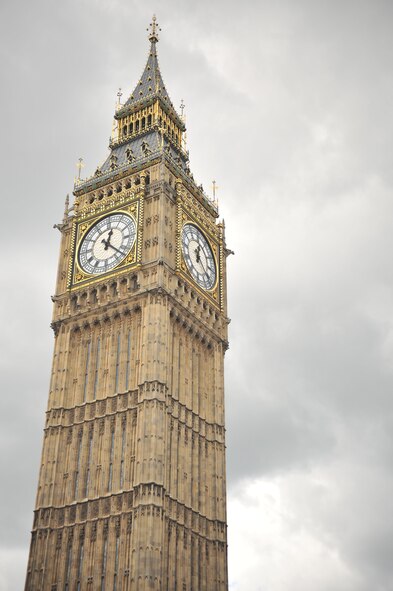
x=132, y=491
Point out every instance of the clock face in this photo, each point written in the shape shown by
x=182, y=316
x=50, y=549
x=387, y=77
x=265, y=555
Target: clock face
x=198, y=256
x=107, y=243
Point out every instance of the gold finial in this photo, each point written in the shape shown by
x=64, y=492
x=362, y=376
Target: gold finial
x=154, y=28
x=79, y=166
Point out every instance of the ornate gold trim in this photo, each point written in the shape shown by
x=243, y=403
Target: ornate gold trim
x=215, y=242
x=77, y=277
x=221, y=263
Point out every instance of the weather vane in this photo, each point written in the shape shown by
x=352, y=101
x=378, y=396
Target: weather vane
x=154, y=28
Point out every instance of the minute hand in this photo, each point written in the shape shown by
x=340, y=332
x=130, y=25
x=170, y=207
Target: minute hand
x=117, y=250
x=202, y=265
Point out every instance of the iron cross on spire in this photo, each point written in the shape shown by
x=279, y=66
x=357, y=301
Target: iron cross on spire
x=154, y=28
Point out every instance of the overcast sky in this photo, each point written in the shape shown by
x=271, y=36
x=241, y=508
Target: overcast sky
x=289, y=108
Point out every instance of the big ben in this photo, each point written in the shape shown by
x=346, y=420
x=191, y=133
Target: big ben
x=132, y=485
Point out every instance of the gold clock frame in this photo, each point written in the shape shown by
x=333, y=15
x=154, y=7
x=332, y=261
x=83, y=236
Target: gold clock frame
x=215, y=294
x=77, y=277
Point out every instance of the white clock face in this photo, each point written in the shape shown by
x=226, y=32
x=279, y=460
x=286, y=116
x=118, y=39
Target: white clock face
x=107, y=243
x=198, y=256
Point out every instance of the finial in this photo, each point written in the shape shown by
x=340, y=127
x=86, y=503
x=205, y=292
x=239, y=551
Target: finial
x=182, y=105
x=119, y=95
x=79, y=166
x=66, y=207
x=154, y=28
x=215, y=187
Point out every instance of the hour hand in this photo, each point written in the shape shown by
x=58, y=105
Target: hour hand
x=107, y=242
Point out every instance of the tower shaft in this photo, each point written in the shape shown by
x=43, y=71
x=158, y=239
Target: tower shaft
x=132, y=486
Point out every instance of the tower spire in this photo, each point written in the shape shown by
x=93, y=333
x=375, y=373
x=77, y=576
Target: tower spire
x=154, y=28
x=151, y=82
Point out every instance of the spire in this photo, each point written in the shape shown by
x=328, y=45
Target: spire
x=154, y=28
x=147, y=124
x=151, y=83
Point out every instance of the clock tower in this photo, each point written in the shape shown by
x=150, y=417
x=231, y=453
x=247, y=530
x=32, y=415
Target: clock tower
x=132, y=490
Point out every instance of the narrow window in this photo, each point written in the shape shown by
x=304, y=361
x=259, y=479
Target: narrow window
x=123, y=445
x=78, y=462
x=117, y=363
x=128, y=358
x=67, y=568
x=130, y=128
x=111, y=461
x=149, y=120
x=97, y=368
x=86, y=370
x=116, y=562
x=103, y=569
x=136, y=126
x=143, y=122
x=88, y=464
x=80, y=564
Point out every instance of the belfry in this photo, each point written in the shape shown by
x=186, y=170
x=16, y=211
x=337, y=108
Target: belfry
x=132, y=487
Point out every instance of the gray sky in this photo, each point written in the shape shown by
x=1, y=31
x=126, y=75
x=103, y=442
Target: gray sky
x=289, y=108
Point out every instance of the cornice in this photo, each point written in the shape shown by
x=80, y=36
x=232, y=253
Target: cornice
x=124, y=307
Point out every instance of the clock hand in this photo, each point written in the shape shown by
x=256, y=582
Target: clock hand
x=107, y=242
x=197, y=253
x=114, y=248
x=202, y=265
x=198, y=257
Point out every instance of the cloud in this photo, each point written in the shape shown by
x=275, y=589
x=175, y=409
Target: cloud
x=288, y=108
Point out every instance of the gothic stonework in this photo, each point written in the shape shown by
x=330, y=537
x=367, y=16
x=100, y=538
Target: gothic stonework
x=132, y=485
